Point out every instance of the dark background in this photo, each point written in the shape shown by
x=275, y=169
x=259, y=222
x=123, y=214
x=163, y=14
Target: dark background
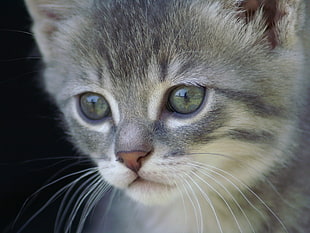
x=31, y=140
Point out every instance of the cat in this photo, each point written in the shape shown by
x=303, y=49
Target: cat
x=195, y=112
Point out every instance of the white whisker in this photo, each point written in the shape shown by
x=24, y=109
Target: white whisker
x=209, y=202
x=192, y=203
x=53, y=198
x=66, y=204
x=17, y=31
x=253, y=193
x=79, y=202
x=20, y=59
x=63, y=169
x=183, y=202
x=98, y=193
x=227, y=191
x=221, y=196
x=109, y=204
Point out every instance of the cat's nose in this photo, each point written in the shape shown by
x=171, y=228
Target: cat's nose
x=132, y=159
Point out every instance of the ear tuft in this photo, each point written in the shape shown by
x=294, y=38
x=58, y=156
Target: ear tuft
x=48, y=17
x=53, y=10
x=271, y=14
x=47, y=14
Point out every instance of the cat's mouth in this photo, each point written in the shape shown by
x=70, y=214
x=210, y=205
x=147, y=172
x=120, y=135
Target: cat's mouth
x=141, y=181
x=150, y=192
x=148, y=184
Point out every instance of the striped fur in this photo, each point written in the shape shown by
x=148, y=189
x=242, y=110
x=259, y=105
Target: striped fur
x=238, y=164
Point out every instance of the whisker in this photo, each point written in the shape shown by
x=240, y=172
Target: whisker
x=192, y=202
x=53, y=158
x=109, y=205
x=228, y=192
x=53, y=198
x=254, y=194
x=236, y=187
x=216, y=154
x=31, y=198
x=20, y=59
x=79, y=202
x=209, y=202
x=67, y=204
x=221, y=196
x=61, y=160
x=67, y=167
x=183, y=201
x=17, y=31
x=248, y=165
x=98, y=193
x=88, y=170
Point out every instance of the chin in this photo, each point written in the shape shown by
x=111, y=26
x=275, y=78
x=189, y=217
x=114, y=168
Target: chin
x=151, y=193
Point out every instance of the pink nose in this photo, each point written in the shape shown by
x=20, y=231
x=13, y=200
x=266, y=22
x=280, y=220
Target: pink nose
x=131, y=159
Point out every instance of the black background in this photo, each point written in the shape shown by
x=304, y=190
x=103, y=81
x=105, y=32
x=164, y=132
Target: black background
x=31, y=139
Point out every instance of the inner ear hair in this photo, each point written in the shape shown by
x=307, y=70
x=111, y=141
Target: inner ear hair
x=271, y=14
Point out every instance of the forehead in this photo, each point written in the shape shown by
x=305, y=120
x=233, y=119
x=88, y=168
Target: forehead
x=132, y=39
x=137, y=38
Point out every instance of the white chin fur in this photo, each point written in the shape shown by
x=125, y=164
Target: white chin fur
x=151, y=193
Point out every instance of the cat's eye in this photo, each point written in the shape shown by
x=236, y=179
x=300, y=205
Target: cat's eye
x=186, y=99
x=94, y=106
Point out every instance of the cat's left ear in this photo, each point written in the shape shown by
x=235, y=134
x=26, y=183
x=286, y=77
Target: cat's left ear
x=48, y=16
x=282, y=18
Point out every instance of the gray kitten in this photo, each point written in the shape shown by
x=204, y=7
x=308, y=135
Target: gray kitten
x=194, y=111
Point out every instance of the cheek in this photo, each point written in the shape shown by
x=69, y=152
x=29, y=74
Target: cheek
x=95, y=144
x=91, y=139
x=230, y=161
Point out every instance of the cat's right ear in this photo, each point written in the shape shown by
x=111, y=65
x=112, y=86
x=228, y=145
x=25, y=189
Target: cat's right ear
x=52, y=10
x=282, y=18
x=48, y=16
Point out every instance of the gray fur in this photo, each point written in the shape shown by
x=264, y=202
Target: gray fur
x=253, y=124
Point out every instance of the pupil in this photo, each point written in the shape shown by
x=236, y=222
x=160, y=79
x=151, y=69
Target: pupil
x=92, y=99
x=184, y=94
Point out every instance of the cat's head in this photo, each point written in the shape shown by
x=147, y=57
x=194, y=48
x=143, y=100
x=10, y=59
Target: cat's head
x=164, y=95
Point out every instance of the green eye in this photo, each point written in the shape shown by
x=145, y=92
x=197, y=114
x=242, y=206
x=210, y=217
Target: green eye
x=94, y=106
x=186, y=99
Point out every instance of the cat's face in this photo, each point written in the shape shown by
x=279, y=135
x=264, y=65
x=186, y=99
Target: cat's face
x=165, y=95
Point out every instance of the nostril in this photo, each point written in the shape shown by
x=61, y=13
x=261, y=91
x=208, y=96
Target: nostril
x=131, y=159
